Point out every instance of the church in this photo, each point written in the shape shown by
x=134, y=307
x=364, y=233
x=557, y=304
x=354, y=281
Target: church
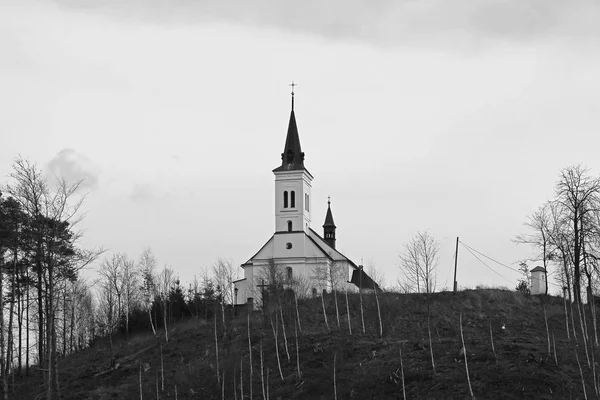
x=302, y=259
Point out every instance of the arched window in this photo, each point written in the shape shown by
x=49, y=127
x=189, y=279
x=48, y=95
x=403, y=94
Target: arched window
x=289, y=273
x=293, y=199
x=285, y=199
x=314, y=292
x=289, y=226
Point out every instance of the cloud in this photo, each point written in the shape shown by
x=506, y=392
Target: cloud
x=73, y=166
x=143, y=193
x=382, y=21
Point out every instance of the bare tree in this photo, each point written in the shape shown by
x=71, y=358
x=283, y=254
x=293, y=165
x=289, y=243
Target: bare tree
x=540, y=224
x=130, y=289
x=376, y=274
x=418, y=262
x=111, y=273
x=166, y=279
x=225, y=272
x=146, y=267
x=578, y=196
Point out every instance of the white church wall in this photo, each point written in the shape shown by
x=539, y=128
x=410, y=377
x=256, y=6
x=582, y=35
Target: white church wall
x=309, y=275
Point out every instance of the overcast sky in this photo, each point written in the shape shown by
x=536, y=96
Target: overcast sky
x=448, y=116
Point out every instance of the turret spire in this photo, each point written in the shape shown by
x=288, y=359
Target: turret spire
x=329, y=226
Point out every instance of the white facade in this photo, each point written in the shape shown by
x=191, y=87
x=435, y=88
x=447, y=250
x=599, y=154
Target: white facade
x=292, y=201
x=538, y=281
x=304, y=258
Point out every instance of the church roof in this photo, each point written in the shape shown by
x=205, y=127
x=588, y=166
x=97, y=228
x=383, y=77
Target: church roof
x=538, y=268
x=292, y=158
x=363, y=281
x=333, y=253
x=329, y=217
x=327, y=251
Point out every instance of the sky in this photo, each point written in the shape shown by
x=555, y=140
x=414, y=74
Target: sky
x=450, y=117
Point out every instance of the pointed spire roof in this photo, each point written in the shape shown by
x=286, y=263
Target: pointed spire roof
x=329, y=217
x=292, y=158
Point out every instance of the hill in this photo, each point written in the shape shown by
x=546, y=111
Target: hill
x=366, y=366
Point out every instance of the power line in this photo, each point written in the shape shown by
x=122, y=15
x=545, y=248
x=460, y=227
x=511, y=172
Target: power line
x=489, y=258
x=498, y=262
x=490, y=268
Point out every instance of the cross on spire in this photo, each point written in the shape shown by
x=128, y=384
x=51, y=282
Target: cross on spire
x=293, y=85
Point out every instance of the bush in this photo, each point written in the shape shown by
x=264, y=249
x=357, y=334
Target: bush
x=523, y=287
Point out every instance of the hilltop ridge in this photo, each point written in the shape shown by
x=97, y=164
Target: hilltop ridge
x=366, y=366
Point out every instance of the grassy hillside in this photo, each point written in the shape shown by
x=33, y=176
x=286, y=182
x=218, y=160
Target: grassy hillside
x=366, y=366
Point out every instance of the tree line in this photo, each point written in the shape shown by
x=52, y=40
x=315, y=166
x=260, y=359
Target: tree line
x=48, y=309
x=565, y=231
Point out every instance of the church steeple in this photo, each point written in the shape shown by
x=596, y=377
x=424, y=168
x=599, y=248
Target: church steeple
x=292, y=183
x=292, y=158
x=329, y=226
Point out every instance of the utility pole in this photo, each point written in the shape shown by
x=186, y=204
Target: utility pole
x=455, y=264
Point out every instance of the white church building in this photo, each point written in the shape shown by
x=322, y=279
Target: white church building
x=308, y=262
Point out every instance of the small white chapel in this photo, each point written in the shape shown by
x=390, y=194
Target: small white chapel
x=295, y=247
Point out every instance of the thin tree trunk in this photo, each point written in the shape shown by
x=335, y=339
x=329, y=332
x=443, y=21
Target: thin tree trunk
x=337, y=311
x=40, y=304
x=566, y=316
x=27, y=325
x=165, y=321
x=362, y=315
x=297, y=353
x=72, y=322
x=262, y=374
x=297, y=312
x=285, y=341
x=583, y=331
x=324, y=313
x=217, y=349
x=573, y=321
x=9, y=349
x=223, y=317
x=151, y=322
x=381, y=322
x=20, y=323
x=250, y=355
x=52, y=390
x=2, y=359
x=276, y=346
x=64, y=322
x=348, y=311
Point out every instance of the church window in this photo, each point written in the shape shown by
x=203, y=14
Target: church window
x=306, y=202
x=314, y=292
x=292, y=199
x=288, y=245
x=290, y=156
x=289, y=273
x=289, y=226
x=285, y=199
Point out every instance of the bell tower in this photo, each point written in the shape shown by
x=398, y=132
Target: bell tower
x=292, y=183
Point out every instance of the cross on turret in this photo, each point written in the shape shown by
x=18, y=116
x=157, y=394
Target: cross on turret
x=293, y=85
